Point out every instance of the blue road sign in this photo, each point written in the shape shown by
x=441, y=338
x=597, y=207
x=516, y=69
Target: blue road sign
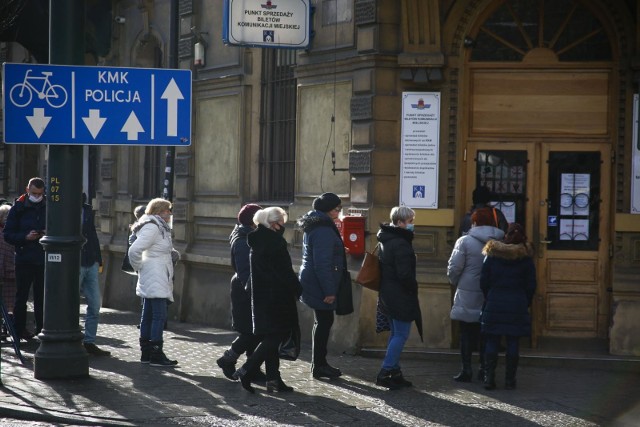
x=60, y=104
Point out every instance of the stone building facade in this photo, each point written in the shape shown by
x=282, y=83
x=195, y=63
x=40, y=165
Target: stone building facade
x=536, y=102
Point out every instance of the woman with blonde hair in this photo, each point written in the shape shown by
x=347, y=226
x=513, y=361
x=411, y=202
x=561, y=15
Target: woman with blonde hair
x=274, y=291
x=152, y=256
x=398, y=297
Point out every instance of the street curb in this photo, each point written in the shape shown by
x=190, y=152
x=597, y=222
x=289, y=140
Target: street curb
x=606, y=363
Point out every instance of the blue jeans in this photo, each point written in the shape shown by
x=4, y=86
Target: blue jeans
x=90, y=289
x=399, y=335
x=154, y=314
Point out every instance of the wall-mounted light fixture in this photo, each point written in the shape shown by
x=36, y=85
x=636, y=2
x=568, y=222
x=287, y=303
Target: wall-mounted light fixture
x=199, y=48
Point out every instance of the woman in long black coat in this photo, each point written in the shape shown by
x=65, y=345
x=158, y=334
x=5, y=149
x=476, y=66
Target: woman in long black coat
x=508, y=281
x=241, y=294
x=274, y=290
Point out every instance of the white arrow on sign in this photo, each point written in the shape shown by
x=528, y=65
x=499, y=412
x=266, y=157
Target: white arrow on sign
x=132, y=127
x=38, y=121
x=94, y=122
x=172, y=94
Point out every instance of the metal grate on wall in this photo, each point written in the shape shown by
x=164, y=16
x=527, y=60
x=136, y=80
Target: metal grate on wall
x=278, y=125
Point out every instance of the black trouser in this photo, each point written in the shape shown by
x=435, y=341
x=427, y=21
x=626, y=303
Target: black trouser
x=26, y=274
x=470, y=333
x=245, y=343
x=267, y=352
x=321, y=331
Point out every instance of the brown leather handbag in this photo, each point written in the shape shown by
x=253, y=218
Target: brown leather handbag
x=369, y=274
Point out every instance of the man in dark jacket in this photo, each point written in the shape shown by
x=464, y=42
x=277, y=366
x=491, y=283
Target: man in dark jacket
x=90, y=263
x=481, y=198
x=25, y=226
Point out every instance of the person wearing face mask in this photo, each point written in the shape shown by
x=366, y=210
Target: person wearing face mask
x=25, y=226
x=398, y=296
x=323, y=263
x=152, y=255
x=274, y=291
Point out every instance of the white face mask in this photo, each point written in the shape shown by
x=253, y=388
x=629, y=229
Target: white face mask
x=35, y=199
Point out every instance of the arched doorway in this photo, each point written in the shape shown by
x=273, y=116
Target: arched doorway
x=539, y=132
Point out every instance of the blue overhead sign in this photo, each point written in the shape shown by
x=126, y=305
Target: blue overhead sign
x=60, y=104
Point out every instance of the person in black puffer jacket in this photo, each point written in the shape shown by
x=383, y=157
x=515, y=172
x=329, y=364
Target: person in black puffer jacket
x=508, y=281
x=241, y=320
x=274, y=291
x=398, y=297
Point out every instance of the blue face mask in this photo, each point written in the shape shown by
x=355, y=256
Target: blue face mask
x=410, y=227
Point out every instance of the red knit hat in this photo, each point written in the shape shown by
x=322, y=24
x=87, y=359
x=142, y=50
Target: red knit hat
x=483, y=216
x=245, y=216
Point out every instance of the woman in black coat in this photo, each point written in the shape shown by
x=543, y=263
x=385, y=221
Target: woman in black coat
x=508, y=281
x=241, y=294
x=398, y=297
x=274, y=291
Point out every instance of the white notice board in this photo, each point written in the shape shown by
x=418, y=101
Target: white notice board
x=419, y=149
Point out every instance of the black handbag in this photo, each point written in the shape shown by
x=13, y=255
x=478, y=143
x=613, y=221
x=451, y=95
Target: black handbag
x=344, y=298
x=126, y=264
x=290, y=346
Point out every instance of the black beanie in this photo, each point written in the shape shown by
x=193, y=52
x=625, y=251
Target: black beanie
x=481, y=195
x=326, y=202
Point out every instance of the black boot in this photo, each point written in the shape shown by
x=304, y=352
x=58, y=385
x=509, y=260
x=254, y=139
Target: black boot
x=145, y=351
x=228, y=363
x=245, y=379
x=158, y=357
x=481, y=368
x=490, y=363
x=325, y=371
x=278, y=385
x=398, y=379
x=384, y=380
x=466, y=373
x=510, y=371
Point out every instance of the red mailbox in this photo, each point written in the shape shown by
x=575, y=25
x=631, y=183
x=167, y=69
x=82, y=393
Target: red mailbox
x=353, y=234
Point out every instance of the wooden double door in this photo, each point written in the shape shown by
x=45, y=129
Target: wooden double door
x=561, y=193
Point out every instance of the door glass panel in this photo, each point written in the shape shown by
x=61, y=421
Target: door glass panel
x=574, y=199
x=504, y=173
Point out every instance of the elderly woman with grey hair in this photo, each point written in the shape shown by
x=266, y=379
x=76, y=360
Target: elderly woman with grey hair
x=398, y=297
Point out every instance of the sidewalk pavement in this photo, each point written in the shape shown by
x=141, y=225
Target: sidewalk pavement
x=120, y=391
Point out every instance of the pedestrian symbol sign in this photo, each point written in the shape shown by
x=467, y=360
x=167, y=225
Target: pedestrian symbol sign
x=59, y=104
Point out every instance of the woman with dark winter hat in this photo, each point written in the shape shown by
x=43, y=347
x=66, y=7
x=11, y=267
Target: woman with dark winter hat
x=463, y=271
x=508, y=281
x=398, y=295
x=274, y=291
x=323, y=262
x=241, y=320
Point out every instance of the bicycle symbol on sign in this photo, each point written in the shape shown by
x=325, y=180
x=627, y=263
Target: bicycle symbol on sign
x=22, y=93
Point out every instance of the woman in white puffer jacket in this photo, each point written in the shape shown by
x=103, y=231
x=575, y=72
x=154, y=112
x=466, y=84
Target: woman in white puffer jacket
x=152, y=256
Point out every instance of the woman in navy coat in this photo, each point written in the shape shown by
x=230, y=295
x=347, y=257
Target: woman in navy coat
x=508, y=281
